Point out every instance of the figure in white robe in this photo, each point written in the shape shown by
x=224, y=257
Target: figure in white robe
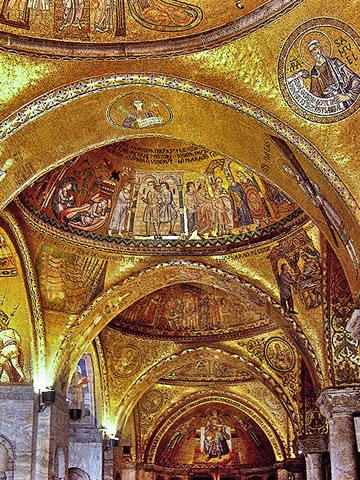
x=39, y=6
x=10, y=352
x=72, y=14
x=104, y=16
x=118, y=219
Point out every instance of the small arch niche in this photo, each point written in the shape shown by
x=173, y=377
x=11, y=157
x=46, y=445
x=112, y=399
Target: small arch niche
x=6, y=459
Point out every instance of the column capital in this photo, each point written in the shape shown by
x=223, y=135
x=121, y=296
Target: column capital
x=313, y=444
x=341, y=402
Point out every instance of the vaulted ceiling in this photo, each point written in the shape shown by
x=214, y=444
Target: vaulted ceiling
x=160, y=164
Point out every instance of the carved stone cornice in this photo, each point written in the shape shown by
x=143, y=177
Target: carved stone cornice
x=340, y=402
x=313, y=443
x=18, y=392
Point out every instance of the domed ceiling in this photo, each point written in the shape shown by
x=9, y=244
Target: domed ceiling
x=132, y=28
x=156, y=195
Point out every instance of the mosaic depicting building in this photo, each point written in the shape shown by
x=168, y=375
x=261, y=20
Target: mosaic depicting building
x=179, y=240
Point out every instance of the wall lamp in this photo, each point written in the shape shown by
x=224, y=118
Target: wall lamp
x=75, y=413
x=127, y=449
x=111, y=443
x=47, y=398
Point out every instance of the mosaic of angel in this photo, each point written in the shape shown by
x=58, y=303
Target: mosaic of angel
x=11, y=357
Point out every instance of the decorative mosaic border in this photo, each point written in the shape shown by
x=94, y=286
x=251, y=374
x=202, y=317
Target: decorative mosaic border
x=326, y=309
x=220, y=245
x=61, y=96
x=206, y=383
x=206, y=336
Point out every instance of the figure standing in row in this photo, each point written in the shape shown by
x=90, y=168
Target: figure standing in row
x=160, y=209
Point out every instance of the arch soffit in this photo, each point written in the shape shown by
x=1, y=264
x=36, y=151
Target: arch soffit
x=119, y=297
x=5, y=442
x=145, y=381
x=102, y=396
x=195, y=42
x=168, y=417
x=38, y=333
x=77, y=474
x=243, y=406
x=65, y=96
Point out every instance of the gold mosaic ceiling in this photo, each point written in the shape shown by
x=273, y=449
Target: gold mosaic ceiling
x=158, y=196
x=133, y=28
x=213, y=109
x=185, y=311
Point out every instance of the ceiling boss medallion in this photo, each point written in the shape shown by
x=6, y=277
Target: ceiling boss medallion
x=152, y=401
x=138, y=111
x=279, y=355
x=127, y=362
x=319, y=70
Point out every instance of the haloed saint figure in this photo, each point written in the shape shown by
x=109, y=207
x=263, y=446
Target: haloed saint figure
x=319, y=70
x=332, y=77
x=216, y=436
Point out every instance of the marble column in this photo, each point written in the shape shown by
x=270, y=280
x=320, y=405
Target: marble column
x=85, y=449
x=313, y=447
x=108, y=466
x=339, y=407
x=314, y=466
x=17, y=428
x=52, y=440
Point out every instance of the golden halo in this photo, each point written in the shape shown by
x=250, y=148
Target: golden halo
x=310, y=36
